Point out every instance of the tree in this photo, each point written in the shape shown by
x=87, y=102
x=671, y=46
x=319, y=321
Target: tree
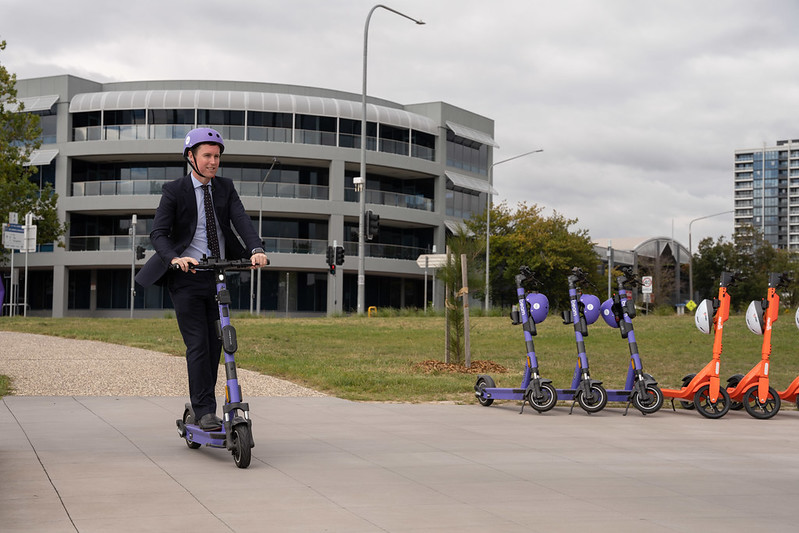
x=752, y=257
x=451, y=274
x=546, y=244
x=20, y=135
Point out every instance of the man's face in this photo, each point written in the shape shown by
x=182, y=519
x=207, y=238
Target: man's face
x=206, y=159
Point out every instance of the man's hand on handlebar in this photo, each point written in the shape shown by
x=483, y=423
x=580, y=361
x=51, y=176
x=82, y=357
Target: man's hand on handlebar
x=259, y=260
x=184, y=263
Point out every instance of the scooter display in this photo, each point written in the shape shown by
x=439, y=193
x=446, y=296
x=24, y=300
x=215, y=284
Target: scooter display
x=752, y=391
x=235, y=435
x=703, y=388
x=537, y=391
x=640, y=388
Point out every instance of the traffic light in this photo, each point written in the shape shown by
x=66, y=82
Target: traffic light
x=372, y=225
x=339, y=255
x=140, y=252
x=331, y=259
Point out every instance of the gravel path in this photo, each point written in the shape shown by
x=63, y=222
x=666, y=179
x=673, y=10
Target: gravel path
x=51, y=366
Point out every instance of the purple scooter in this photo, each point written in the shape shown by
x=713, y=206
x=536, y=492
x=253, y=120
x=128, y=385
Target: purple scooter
x=539, y=392
x=640, y=388
x=236, y=432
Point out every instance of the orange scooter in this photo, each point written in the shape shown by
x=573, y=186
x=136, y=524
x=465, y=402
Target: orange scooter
x=709, y=398
x=752, y=391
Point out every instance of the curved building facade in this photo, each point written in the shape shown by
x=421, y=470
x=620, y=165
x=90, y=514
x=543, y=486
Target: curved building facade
x=293, y=153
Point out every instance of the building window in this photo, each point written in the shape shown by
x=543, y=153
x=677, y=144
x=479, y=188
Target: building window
x=466, y=154
x=268, y=126
x=313, y=129
x=229, y=123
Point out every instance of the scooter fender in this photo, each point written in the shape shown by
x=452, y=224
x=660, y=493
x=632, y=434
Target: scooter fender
x=229, y=431
x=649, y=379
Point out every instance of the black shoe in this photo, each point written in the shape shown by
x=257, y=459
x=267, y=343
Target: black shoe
x=209, y=422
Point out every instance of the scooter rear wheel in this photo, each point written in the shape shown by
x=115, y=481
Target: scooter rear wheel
x=189, y=419
x=709, y=409
x=547, y=400
x=598, y=401
x=685, y=382
x=649, y=404
x=242, y=452
x=483, y=383
x=732, y=382
x=765, y=410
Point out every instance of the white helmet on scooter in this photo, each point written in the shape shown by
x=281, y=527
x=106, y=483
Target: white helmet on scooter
x=754, y=317
x=704, y=316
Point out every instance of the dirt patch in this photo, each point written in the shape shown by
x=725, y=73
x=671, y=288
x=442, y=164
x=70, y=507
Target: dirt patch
x=477, y=367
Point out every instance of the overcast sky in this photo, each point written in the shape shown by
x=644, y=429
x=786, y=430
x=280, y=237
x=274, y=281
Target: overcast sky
x=638, y=105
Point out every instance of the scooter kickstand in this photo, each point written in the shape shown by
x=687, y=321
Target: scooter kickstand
x=572, y=407
x=628, y=408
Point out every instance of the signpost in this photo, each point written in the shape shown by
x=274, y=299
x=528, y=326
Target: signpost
x=646, y=290
x=433, y=261
x=22, y=238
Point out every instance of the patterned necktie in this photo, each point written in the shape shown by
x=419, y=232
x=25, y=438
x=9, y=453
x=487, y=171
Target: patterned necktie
x=210, y=224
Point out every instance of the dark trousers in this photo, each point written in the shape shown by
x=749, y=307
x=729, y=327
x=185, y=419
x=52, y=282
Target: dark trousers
x=197, y=312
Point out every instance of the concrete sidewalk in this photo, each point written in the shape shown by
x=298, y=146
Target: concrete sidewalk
x=99, y=464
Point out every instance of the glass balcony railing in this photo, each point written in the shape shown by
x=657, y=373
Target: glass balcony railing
x=117, y=187
x=394, y=199
x=282, y=245
x=106, y=243
x=244, y=188
x=253, y=133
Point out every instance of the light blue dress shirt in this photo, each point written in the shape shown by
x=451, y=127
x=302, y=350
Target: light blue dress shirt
x=199, y=244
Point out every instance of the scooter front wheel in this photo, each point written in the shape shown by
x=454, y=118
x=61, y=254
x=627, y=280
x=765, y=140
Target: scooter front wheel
x=189, y=419
x=759, y=410
x=705, y=405
x=651, y=402
x=597, y=402
x=547, y=399
x=242, y=452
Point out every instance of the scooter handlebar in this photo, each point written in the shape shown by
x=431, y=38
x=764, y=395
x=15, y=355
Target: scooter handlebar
x=219, y=264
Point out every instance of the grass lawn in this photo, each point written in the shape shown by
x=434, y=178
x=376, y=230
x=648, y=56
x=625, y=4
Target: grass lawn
x=377, y=359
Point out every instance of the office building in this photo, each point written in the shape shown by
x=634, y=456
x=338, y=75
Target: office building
x=108, y=148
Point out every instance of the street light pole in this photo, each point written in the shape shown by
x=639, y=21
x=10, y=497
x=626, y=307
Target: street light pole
x=362, y=200
x=260, y=234
x=691, y=252
x=487, y=301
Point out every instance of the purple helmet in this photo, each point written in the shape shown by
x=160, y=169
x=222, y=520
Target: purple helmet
x=606, y=310
x=591, y=307
x=539, y=306
x=201, y=136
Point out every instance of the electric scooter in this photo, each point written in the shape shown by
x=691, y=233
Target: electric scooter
x=752, y=391
x=640, y=389
x=235, y=435
x=711, y=400
x=583, y=310
x=537, y=391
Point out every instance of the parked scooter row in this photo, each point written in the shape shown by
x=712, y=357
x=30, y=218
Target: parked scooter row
x=701, y=391
x=584, y=309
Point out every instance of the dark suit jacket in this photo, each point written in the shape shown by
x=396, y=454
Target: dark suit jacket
x=176, y=220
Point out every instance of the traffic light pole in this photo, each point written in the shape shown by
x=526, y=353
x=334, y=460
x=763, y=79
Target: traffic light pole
x=132, y=263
